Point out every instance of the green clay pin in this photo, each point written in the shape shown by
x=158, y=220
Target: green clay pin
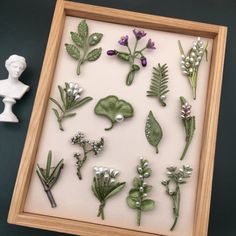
x=114, y=109
x=189, y=124
x=49, y=176
x=176, y=177
x=82, y=43
x=71, y=99
x=191, y=61
x=137, y=198
x=105, y=186
x=153, y=131
x=159, y=83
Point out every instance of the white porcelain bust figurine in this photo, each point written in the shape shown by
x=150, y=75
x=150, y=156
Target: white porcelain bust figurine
x=11, y=88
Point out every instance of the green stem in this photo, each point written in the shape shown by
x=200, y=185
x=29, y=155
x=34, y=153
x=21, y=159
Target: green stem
x=78, y=68
x=101, y=210
x=82, y=162
x=185, y=149
x=176, y=206
x=139, y=216
x=112, y=124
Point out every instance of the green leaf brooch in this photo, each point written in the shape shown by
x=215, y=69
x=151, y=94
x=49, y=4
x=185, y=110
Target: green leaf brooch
x=82, y=43
x=71, y=99
x=159, y=83
x=189, y=124
x=176, y=177
x=105, y=186
x=153, y=131
x=114, y=109
x=131, y=56
x=49, y=176
x=88, y=146
x=191, y=61
x=137, y=198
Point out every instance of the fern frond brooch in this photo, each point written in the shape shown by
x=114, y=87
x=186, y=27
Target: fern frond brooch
x=159, y=83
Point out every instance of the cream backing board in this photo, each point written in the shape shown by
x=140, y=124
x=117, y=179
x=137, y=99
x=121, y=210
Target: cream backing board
x=126, y=142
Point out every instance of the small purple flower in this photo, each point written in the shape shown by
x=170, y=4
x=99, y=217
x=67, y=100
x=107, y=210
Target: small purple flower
x=124, y=40
x=150, y=44
x=143, y=61
x=139, y=34
x=111, y=52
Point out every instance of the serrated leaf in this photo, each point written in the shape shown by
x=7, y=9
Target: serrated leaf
x=83, y=29
x=153, y=131
x=116, y=189
x=77, y=39
x=134, y=193
x=131, y=202
x=94, y=39
x=73, y=51
x=147, y=205
x=94, y=54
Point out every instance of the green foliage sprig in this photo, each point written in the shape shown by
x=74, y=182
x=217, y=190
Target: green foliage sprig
x=82, y=43
x=49, y=176
x=176, y=177
x=71, y=99
x=159, y=83
x=105, y=186
x=137, y=198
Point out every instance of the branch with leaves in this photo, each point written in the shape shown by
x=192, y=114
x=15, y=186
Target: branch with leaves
x=88, y=146
x=159, y=83
x=105, y=186
x=82, y=43
x=176, y=177
x=71, y=99
x=49, y=176
x=191, y=61
x=137, y=198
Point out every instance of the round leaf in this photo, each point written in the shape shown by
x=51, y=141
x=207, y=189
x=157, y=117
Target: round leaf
x=134, y=193
x=131, y=202
x=147, y=205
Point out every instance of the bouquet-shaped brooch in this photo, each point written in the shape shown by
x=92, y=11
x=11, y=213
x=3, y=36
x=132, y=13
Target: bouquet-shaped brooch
x=71, y=99
x=137, y=198
x=105, y=186
x=191, y=61
x=88, y=146
x=176, y=177
x=49, y=176
x=132, y=55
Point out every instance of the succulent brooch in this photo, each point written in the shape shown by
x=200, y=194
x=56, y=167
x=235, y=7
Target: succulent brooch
x=153, y=131
x=88, y=146
x=49, y=176
x=71, y=99
x=137, y=198
x=189, y=124
x=82, y=43
x=114, y=109
x=190, y=62
x=176, y=177
x=105, y=186
x=131, y=56
x=159, y=83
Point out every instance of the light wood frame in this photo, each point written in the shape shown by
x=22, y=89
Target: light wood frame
x=65, y=8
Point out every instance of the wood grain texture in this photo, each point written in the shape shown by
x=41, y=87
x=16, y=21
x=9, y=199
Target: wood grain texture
x=217, y=33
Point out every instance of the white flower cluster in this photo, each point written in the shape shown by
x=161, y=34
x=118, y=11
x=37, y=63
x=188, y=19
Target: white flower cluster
x=186, y=111
x=107, y=175
x=74, y=90
x=190, y=63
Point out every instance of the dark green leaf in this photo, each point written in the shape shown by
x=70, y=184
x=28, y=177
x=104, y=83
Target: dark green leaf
x=134, y=193
x=94, y=54
x=56, y=113
x=147, y=205
x=131, y=202
x=57, y=103
x=80, y=103
x=69, y=115
x=116, y=189
x=147, y=189
x=77, y=39
x=153, y=131
x=136, y=182
x=49, y=162
x=73, y=51
x=135, y=67
x=83, y=29
x=61, y=90
x=94, y=39
x=123, y=56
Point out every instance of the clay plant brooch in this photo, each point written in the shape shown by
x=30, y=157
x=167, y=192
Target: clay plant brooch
x=49, y=176
x=159, y=83
x=82, y=44
x=176, y=177
x=88, y=146
x=137, y=198
x=190, y=62
x=132, y=55
x=189, y=124
x=70, y=100
x=105, y=186
x=153, y=131
x=114, y=109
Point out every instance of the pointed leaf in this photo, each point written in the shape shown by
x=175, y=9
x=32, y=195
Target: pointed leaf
x=147, y=205
x=94, y=39
x=56, y=113
x=94, y=54
x=116, y=190
x=49, y=162
x=83, y=29
x=73, y=51
x=77, y=39
x=123, y=56
x=80, y=103
x=61, y=90
x=57, y=103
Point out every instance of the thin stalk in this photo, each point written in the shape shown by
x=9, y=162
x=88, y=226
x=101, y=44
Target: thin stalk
x=82, y=161
x=185, y=149
x=176, y=205
x=139, y=216
x=112, y=124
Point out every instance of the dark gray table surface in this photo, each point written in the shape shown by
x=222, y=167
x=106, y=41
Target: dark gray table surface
x=24, y=30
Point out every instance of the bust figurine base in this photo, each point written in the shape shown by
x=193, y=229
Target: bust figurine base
x=7, y=115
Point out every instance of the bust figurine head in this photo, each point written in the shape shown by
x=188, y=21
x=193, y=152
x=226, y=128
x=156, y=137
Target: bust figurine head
x=15, y=65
